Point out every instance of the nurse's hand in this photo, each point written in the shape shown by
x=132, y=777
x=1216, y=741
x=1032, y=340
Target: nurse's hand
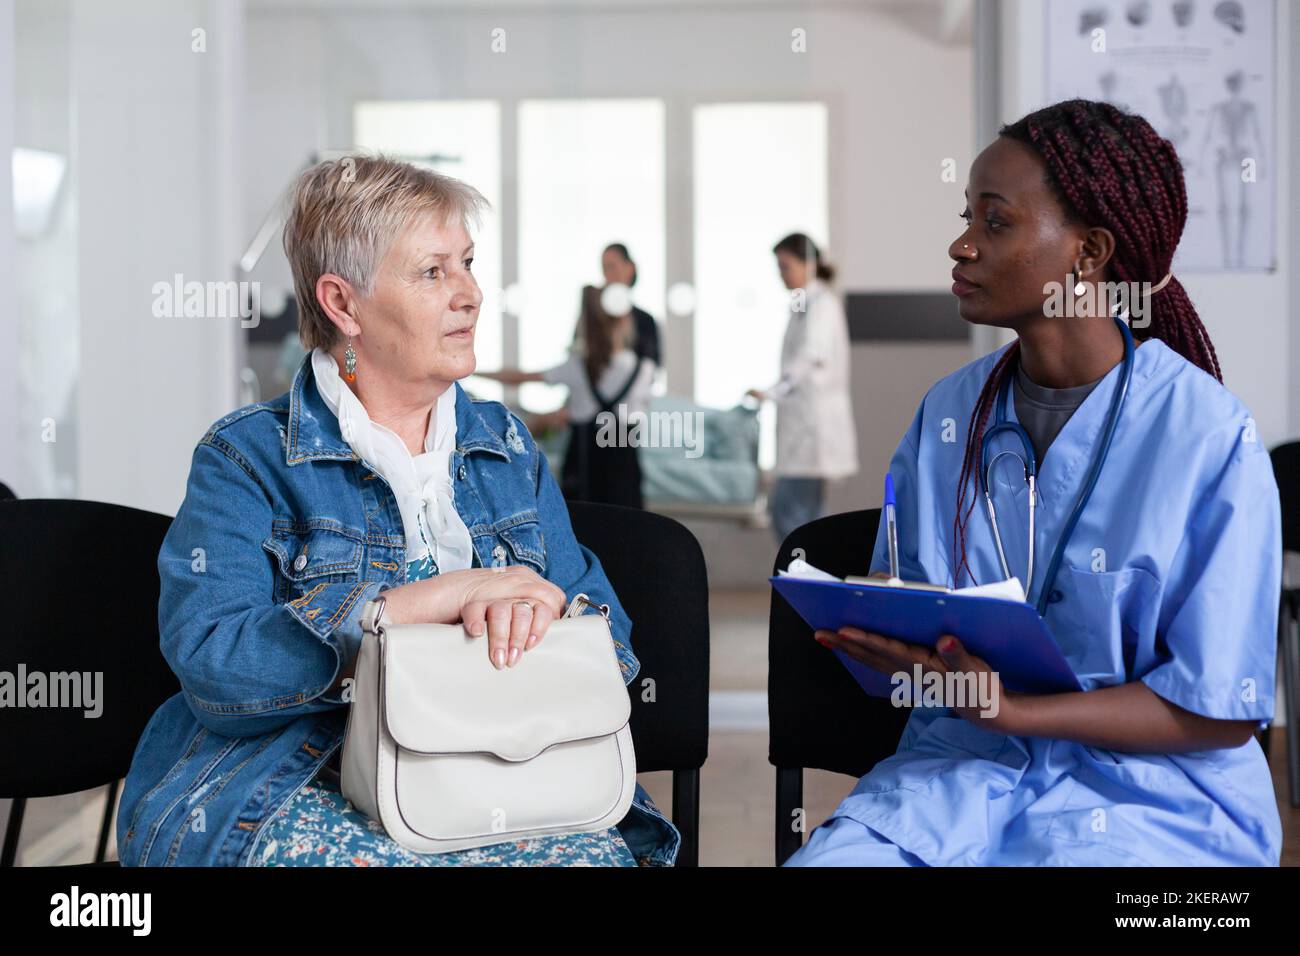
x=889, y=656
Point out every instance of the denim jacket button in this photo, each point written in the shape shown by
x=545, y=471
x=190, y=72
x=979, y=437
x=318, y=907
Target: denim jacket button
x=499, y=552
x=460, y=472
x=300, y=562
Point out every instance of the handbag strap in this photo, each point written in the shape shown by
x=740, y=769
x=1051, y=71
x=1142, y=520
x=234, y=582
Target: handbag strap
x=580, y=603
x=369, y=613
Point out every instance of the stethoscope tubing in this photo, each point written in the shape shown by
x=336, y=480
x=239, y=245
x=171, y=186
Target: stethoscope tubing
x=1030, y=464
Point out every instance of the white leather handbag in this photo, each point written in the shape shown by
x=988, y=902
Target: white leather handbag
x=449, y=753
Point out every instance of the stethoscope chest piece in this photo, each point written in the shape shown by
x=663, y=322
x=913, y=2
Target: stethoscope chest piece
x=1031, y=479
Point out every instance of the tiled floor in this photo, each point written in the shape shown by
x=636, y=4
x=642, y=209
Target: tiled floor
x=737, y=783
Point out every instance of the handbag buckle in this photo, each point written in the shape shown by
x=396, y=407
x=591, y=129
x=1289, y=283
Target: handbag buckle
x=371, y=614
x=581, y=602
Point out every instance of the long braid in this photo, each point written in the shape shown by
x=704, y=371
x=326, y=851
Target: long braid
x=1108, y=168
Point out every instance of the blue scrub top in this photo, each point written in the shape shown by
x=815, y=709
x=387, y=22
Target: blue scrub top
x=1171, y=577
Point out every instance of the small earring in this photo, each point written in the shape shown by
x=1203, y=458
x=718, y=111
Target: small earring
x=1079, y=287
x=350, y=363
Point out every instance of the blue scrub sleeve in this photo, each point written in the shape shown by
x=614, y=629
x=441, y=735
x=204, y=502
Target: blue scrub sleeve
x=1218, y=621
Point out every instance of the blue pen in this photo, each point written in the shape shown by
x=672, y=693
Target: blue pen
x=891, y=526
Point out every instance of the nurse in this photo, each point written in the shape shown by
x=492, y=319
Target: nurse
x=1165, y=602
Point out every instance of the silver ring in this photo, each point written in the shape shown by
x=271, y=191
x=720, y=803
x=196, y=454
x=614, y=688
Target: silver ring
x=528, y=604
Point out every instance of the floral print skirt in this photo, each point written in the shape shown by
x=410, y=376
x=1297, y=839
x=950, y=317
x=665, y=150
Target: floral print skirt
x=321, y=827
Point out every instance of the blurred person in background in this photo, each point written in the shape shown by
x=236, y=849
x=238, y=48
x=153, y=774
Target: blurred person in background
x=816, y=441
x=619, y=269
x=607, y=382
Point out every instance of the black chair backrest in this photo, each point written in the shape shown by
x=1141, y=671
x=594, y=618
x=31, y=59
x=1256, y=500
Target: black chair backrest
x=818, y=715
x=1286, y=469
x=657, y=569
x=6, y=493
x=80, y=587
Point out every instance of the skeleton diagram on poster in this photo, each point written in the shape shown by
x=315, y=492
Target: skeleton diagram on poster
x=1202, y=73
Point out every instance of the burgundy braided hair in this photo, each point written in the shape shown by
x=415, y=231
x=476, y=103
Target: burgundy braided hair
x=1108, y=168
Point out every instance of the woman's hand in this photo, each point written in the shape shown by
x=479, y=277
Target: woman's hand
x=757, y=394
x=514, y=606
x=994, y=712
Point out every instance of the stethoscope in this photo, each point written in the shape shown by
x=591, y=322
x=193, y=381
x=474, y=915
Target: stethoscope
x=1030, y=464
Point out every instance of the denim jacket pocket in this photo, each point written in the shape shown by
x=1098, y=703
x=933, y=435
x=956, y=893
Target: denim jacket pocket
x=525, y=540
x=312, y=553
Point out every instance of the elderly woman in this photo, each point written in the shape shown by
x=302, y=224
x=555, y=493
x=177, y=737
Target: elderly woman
x=374, y=473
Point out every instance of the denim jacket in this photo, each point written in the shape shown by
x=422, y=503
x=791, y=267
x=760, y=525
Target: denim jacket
x=283, y=536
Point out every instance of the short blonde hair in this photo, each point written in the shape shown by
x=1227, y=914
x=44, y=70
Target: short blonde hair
x=344, y=214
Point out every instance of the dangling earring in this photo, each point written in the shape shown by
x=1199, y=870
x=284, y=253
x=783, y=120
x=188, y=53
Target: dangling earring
x=1079, y=287
x=350, y=363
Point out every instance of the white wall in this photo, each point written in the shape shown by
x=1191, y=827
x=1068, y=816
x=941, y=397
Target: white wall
x=1289, y=92
x=155, y=143
x=8, y=254
x=46, y=317
x=1249, y=315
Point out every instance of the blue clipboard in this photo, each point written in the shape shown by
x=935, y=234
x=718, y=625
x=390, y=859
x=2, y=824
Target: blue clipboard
x=1009, y=635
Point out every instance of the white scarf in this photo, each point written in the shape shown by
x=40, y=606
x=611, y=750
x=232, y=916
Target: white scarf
x=422, y=483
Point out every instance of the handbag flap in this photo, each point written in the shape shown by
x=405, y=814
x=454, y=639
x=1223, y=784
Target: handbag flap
x=441, y=694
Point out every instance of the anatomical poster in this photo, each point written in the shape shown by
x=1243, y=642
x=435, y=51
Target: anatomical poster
x=1202, y=73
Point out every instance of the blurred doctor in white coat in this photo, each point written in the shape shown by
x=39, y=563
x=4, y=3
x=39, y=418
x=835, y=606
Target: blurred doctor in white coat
x=816, y=441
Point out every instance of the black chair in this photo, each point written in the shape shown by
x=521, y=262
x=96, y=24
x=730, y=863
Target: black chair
x=818, y=716
x=80, y=585
x=1286, y=470
x=657, y=570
